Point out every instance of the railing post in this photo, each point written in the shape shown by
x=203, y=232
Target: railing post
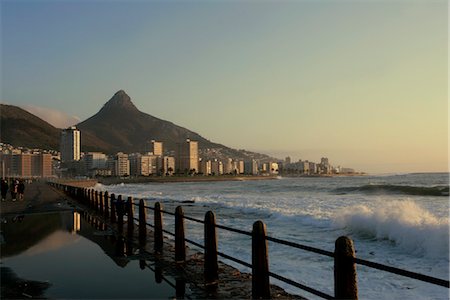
x=113, y=208
x=106, y=201
x=100, y=201
x=96, y=200
x=142, y=222
x=211, y=265
x=119, y=207
x=345, y=282
x=180, y=246
x=260, y=262
x=130, y=216
x=158, y=228
x=89, y=197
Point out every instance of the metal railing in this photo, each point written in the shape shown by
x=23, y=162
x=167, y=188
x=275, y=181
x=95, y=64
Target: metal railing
x=344, y=254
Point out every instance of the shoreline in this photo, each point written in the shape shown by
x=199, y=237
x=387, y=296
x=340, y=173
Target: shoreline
x=175, y=179
x=178, y=179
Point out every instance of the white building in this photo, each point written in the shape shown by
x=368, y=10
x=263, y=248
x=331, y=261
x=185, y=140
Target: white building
x=205, y=167
x=187, y=157
x=70, y=144
x=122, y=165
x=216, y=167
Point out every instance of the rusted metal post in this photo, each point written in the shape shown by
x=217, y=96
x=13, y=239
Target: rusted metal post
x=119, y=207
x=106, y=201
x=158, y=228
x=345, y=282
x=113, y=208
x=89, y=197
x=180, y=245
x=130, y=216
x=100, y=201
x=211, y=265
x=142, y=222
x=96, y=200
x=260, y=262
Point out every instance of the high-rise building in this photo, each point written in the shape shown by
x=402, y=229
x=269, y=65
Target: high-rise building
x=41, y=165
x=70, y=144
x=122, y=164
x=204, y=167
x=216, y=167
x=156, y=148
x=168, y=163
x=143, y=165
x=251, y=167
x=95, y=160
x=187, y=157
x=26, y=165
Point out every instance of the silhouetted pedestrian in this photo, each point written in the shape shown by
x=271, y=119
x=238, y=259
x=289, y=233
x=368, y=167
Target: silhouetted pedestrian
x=21, y=190
x=14, y=186
x=4, y=189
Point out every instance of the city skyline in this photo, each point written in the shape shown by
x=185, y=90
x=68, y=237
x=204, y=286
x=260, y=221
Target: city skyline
x=362, y=83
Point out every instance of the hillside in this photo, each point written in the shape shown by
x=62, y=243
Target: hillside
x=21, y=128
x=120, y=126
x=117, y=126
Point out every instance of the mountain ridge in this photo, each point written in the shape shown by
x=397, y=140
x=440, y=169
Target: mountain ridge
x=120, y=126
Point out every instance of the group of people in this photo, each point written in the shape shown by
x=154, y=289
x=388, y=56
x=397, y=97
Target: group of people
x=16, y=188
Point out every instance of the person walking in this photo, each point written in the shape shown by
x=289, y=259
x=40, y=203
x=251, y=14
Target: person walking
x=21, y=189
x=4, y=189
x=14, y=187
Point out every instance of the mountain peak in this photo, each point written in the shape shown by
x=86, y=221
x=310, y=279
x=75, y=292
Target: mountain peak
x=120, y=100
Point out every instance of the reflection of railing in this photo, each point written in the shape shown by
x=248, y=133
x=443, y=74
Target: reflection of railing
x=345, y=283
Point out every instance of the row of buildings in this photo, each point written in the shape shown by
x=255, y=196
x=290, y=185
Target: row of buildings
x=154, y=161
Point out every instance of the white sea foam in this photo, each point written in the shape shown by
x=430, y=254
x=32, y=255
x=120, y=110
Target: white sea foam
x=405, y=223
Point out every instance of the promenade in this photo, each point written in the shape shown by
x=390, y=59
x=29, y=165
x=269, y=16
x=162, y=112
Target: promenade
x=39, y=197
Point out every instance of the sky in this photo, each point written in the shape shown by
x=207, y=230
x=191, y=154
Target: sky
x=363, y=83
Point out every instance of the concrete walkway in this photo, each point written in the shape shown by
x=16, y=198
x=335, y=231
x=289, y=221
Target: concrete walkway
x=39, y=197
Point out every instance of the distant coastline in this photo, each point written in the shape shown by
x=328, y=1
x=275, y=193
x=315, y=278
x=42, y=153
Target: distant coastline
x=175, y=179
x=171, y=179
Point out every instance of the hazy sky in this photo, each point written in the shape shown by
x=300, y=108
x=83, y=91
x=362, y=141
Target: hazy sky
x=361, y=82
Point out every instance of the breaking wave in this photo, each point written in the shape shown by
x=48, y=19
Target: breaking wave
x=405, y=223
x=404, y=189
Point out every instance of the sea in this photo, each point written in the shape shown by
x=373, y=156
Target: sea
x=401, y=220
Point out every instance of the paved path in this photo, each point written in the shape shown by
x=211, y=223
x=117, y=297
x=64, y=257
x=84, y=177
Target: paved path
x=39, y=197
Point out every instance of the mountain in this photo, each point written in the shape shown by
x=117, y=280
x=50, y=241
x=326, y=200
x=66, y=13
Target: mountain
x=21, y=128
x=120, y=126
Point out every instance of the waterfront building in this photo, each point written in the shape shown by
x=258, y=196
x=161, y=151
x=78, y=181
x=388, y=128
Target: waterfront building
x=251, y=167
x=205, y=167
x=187, y=157
x=70, y=144
x=122, y=164
x=241, y=167
x=287, y=160
x=41, y=165
x=168, y=163
x=143, y=165
x=228, y=166
x=272, y=168
x=216, y=167
x=26, y=165
x=154, y=147
x=95, y=160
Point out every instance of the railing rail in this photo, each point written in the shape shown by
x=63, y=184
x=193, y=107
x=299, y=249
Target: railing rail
x=344, y=257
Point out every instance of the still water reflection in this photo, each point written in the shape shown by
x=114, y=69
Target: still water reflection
x=63, y=255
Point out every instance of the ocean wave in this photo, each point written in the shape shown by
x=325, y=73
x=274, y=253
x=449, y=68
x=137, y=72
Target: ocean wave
x=409, y=226
x=404, y=189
